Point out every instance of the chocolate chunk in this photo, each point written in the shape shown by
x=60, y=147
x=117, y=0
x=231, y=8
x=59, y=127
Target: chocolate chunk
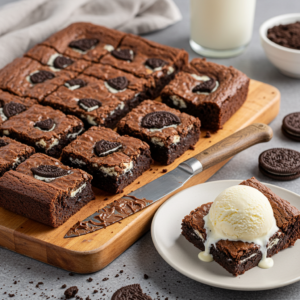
x=130, y=292
x=62, y=62
x=45, y=125
x=291, y=126
x=41, y=76
x=49, y=171
x=205, y=86
x=76, y=81
x=3, y=143
x=207, y=135
x=12, y=108
x=124, y=54
x=280, y=163
x=89, y=104
x=160, y=119
x=84, y=44
x=103, y=147
x=71, y=292
x=118, y=83
x=154, y=63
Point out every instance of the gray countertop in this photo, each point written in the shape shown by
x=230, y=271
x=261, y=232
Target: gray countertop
x=142, y=258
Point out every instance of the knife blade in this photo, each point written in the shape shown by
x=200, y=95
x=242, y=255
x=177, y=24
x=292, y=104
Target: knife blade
x=173, y=180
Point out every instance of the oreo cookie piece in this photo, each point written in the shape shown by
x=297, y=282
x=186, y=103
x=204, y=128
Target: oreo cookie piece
x=130, y=292
x=118, y=83
x=3, y=143
x=124, y=54
x=89, y=104
x=280, y=163
x=41, y=76
x=13, y=108
x=84, y=44
x=45, y=125
x=61, y=62
x=160, y=119
x=205, y=86
x=154, y=63
x=103, y=147
x=76, y=82
x=291, y=126
x=48, y=173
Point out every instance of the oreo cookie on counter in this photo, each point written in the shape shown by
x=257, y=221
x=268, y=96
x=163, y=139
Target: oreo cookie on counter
x=280, y=164
x=130, y=292
x=291, y=126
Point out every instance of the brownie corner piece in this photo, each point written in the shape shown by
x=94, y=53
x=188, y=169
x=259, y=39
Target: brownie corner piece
x=45, y=190
x=168, y=131
x=114, y=161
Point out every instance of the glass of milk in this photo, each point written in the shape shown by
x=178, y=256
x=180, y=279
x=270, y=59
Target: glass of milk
x=221, y=28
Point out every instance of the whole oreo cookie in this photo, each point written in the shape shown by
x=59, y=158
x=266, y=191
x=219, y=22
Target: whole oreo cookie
x=280, y=163
x=103, y=147
x=130, y=292
x=49, y=171
x=123, y=54
x=61, y=62
x=291, y=126
x=160, y=119
x=118, y=83
x=77, y=81
x=205, y=86
x=13, y=108
x=45, y=125
x=89, y=104
x=84, y=44
x=3, y=143
x=154, y=63
x=41, y=76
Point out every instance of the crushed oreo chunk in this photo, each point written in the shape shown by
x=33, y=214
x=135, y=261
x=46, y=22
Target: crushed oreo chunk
x=154, y=63
x=71, y=292
x=205, y=86
x=3, y=143
x=160, y=119
x=84, y=44
x=118, y=83
x=104, y=147
x=41, y=76
x=77, y=81
x=130, y=292
x=89, y=104
x=49, y=171
x=62, y=62
x=13, y=108
x=123, y=54
x=45, y=125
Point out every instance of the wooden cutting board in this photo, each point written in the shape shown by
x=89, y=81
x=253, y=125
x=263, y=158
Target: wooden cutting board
x=92, y=252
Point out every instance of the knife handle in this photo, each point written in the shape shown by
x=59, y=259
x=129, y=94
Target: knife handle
x=233, y=144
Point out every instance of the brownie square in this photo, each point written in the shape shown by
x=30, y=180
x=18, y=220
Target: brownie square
x=114, y=161
x=56, y=61
x=44, y=190
x=237, y=257
x=108, y=108
x=12, y=153
x=28, y=78
x=168, y=131
x=85, y=40
x=213, y=104
x=11, y=105
x=44, y=128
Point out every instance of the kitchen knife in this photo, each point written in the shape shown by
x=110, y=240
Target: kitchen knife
x=173, y=180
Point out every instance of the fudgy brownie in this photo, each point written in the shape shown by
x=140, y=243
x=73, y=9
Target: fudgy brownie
x=56, y=61
x=85, y=40
x=28, y=78
x=43, y=189
x=11, y=105
x=12, y=153
x=145, y=59
x=209, y=91
x=114, y=161
x=237, y=257
x=44, y=128
x=168, y=131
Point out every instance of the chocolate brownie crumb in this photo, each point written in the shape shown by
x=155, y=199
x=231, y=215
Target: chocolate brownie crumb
x=63, y=286
x=105, y=279
x=105, y=199
x=15, y=282
x=89, y=279
x=146, y=276
x=207, y=135
x=11, y=295
x=95, y=291
x=71, y=274
x=31, y=282
x=139, y=182
x=117, y=275
x=121, y=271
x=71, y=292
x=164, y=171
x=192, y=147
x=88, y=298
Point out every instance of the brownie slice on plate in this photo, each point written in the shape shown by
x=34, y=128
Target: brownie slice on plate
x=114, y=161
x=168, y=131
x=209, y=91
x=237, y=257
x=44, y=190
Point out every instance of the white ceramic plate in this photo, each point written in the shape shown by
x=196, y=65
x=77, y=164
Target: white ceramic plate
x=183, y=256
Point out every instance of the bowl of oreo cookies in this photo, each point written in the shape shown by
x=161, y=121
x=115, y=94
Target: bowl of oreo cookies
x=280, y=38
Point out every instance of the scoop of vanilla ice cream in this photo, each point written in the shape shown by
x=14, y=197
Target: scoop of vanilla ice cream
x=241, y=213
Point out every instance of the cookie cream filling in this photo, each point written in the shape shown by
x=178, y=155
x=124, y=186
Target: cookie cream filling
x=74, y=134
x=291, y=133
x=119, y=107
x=205, y=78
x=177, y=101
x=43, y=144
x=80, y=51
x=111, y=151
x=90, y=119
x=51, y=62
x=281, y=174
x=112, y=90
x=111, y=171
x=109, y=48
x=2, y=115
x=6, y=132
x=161, y=129
x=73, y=87
x=17, y=161
x=170, y=70
x=88, y=109
x=157, y=141
x=77, y=191
x=77, y=161
x=52, y=128
x=49, y=179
